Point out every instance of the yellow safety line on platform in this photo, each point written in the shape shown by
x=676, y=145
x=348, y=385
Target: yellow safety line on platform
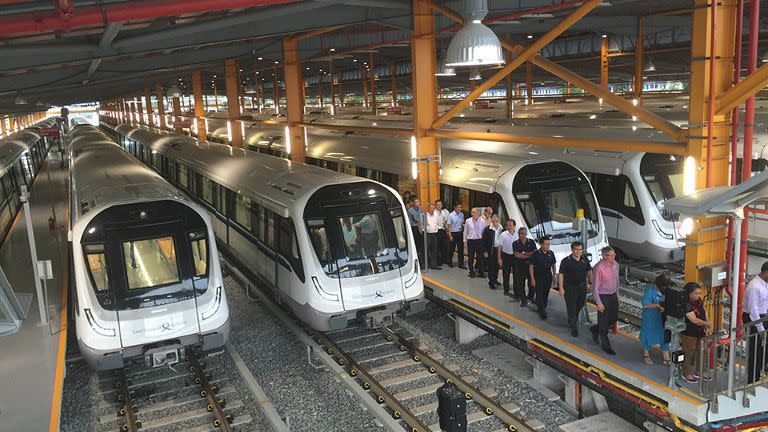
x=58, y=382
x=572, y=346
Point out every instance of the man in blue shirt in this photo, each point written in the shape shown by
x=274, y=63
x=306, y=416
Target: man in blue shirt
x=415, y=215
x=456, y=236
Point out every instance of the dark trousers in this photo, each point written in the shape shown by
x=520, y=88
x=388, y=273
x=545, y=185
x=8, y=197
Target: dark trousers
x=607, y=318
x=457, y=242
x=756, y=351
x=543, y=285
x=444, y=246
x=417, y=237
x=433, y=249
x=574, y=301
x=507, y=261
x=474, y=254
x=492, y=264
x=522, y=278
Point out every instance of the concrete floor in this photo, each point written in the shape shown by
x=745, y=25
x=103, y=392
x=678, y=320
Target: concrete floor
x=32, y=359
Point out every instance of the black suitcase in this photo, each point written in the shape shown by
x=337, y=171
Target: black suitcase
x=452, y=409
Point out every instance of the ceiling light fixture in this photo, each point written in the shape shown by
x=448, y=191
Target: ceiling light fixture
x=475, y=44
x=650, y=67
x=530, y=36
x=174, y=91
x=474, y=75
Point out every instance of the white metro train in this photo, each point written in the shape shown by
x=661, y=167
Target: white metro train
x=146, y=270
x=335, y=248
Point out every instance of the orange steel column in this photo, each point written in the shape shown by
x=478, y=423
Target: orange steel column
x=319, y=90
x=424, y=59
x=372, y=65
x=294, y=96
x=333, y=85
x=230, y=73
x=160, y=107
x=3, y=129
x=197, y=93
x=177, y=126
x=529, y=83
x=276, y=90
x=639, y=58
x=148, y=107
x=140, y=110
x=604, y=63
x=132, y=106
x=394, y=84
x=707, y=243
x=364, y=78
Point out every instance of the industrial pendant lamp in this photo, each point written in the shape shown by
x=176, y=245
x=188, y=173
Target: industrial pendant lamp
x=475, y=44
x=474, y=74
x=442, y=69
x=173, y=91
x=650, y=67
x=250, y=89
x=20, y=100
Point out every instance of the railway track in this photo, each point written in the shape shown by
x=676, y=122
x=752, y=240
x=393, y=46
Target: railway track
x=394, y=377
x=194, y=395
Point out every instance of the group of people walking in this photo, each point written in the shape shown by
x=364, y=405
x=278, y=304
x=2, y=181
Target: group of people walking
x=529, y=273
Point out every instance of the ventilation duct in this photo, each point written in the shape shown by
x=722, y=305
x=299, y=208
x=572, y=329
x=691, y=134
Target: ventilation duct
x=475, y=44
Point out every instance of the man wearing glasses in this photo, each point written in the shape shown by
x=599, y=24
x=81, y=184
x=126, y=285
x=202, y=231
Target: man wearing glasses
x=606, y=294
x=574, y=273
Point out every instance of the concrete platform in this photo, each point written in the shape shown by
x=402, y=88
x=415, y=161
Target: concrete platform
x=624, y=368
x=32, y=359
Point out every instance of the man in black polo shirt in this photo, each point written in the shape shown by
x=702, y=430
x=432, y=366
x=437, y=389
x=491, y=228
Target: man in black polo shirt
x=575, y=271
x=523, y=248
x=542, y=269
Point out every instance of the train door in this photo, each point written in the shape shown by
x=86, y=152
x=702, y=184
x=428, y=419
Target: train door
x=363, y=243
x=631, y=212
x=607, y=190
x=152, y=281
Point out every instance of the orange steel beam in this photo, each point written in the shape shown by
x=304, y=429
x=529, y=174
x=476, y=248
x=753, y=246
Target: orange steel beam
x=160, y=107
x=619, y=102
x=148, y=107
x=604, y=63
x=586, y=143
x=639, y=58
x=742, y=91
x=233, y=104
x=526, y=55
x=294, y=96
x=197, y=94
x=424, y=60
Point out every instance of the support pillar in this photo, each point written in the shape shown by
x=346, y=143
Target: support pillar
x=132, y=106
x=333, y=87
x=319, y=90
x=639, y=58
x=529, y=83
x=341, y=89
x=233, y=86
x=3, y=128
x=160, y=106
x=424, y=59
x=371, y=61
x=708, y=241
x=140, y=111
x=393, y=78
x=508, y=88
x=197, y=93
x=148, y=107
x=294, y=96
x=276, y=91
x=604, y=63
x=466, y=332
x=364, y=78
x=177, y=126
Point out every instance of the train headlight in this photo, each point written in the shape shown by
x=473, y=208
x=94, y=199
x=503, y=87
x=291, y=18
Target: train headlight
x=214, y=307
x=661, y=232
x=97, y=328
x=323, y=293
x=410, y=282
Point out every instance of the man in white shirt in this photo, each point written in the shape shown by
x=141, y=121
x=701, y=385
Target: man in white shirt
x=443, y=243
x=490, y=251
x=756, y=307
x=505, y=253
x=434, y=223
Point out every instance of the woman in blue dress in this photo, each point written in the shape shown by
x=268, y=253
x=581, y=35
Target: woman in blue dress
x=652, y=328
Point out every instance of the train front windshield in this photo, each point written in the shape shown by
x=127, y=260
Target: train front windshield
x=361, y=239
x=549, y=195
x=663, y=176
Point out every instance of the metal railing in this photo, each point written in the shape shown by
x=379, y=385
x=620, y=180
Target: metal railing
x=718, y=376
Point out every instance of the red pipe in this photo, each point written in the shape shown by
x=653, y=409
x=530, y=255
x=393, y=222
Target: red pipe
x=735, y=125
x=125, y=11
x=746, y=154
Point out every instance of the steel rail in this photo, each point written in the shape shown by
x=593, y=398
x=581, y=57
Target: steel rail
x=216, y=406
x=129, y=409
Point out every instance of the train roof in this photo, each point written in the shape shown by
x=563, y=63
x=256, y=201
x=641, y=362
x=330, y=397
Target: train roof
x=274, y=182
x=104, y=173
x=15, y=144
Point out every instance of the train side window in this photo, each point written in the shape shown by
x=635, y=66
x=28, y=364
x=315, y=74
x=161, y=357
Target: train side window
x=629, y=196
x=289, y=246
x=500, y=208
x=629, y=202
x=95, y=258
x=200, y=256
x=402, y=237
x=183, y=176
x=222, y=202
x=269, y=235
x=607, y=190
x=261, y=227
x=243, y=211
